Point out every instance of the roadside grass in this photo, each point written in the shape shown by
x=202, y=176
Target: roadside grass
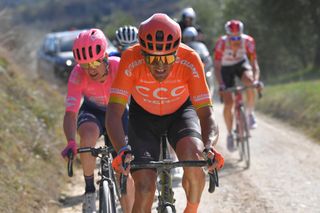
x=31, y=138
x=297, y=103
x=306, y=74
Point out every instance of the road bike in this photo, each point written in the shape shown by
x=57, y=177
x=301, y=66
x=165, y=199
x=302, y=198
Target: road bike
x=108, y=189
x=163, y=166
x=242, y=131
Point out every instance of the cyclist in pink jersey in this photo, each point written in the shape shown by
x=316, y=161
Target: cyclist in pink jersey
x=91, y=81
x=235, y=55
x=164, y=80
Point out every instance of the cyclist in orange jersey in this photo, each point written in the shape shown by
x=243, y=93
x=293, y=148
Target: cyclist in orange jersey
x=168, y=95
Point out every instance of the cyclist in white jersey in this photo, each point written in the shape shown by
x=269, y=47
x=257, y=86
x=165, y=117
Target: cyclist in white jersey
x=235, y=55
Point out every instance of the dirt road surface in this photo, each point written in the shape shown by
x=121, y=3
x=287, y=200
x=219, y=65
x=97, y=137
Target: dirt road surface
x=284, y=175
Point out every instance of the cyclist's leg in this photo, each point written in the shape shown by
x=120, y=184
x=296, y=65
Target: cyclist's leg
x=144, y=133
x=89, y=130
x=228, y=76
x=185, y=136
x=145, y=187
x=89, y=133
x=246, y=75
x=126, y=201
x=193, y=181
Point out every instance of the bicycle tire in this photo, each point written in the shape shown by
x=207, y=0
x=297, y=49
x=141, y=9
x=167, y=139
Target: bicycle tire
x=168, y=209
x=106, y=198
x=245, y=148
x=239, y=134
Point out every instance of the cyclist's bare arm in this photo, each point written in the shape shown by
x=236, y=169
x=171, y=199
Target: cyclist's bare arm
x=70, y=125
x=252, y=55
x=114, y=125
x=209, y=128
x=217, y=70
x=255, y=69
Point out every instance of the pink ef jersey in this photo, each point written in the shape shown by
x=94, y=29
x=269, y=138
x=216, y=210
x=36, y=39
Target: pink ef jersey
x=80, y=85
x=227, y=56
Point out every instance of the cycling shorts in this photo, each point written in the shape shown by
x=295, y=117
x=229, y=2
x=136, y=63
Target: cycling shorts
x=145, y=129
x=230, y=72
x=90, y=112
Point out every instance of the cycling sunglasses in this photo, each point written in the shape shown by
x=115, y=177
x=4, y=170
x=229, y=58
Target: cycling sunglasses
x=164, y=59
x=94, y=64
x=235, y=38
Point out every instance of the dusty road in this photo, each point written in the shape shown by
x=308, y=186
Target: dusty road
x=284, y=175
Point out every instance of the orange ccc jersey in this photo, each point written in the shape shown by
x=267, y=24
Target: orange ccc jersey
x=186, y=79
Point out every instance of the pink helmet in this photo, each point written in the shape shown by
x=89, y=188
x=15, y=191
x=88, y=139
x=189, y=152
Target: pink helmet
x=233, y=27
x=90, y=45
x=159, y=35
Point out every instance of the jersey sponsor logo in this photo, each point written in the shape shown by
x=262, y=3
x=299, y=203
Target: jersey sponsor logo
x=190, y=66
x=250, y=46
x=119, y=91
x=100, y=100
x=131, y=66
x=162, y=102
x=201, y=97
x=70, y=101
x=146, y=92
x=147, y=82
x=75, y=77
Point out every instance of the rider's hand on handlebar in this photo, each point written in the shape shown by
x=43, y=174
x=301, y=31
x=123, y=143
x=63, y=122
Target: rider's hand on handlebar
x=258, y=84
x=222, y=87
x=215, y=156
x=72, y=145
x=124, y=157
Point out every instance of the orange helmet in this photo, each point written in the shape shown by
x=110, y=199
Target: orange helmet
x=159, y=35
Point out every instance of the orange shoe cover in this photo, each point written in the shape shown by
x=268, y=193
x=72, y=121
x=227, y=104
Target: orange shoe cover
x=191, y=208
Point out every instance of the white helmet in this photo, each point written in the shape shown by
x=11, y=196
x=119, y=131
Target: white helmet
x=188, y=12
x=127, y=35
x=190, y=32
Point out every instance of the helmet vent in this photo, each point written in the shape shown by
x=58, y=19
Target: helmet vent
x=150, y=46
x=149, y=37
x=78, y=54
x=159, y=47
x=84, y=53
x=142, y=42
x=168, y=46
x=176, y=43
x=98, y=49
x=90, y=52
x=169, y=38
x=159, y=36
x=128, y=34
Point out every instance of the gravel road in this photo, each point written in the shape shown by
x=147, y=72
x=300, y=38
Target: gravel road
x=284, y=175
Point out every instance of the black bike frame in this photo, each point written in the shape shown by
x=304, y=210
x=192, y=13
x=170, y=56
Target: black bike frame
x=163, y=167
x=106, y=173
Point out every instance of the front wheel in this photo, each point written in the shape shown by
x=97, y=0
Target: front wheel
x=168, y=209
x=106, y=198
x=245, y=149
